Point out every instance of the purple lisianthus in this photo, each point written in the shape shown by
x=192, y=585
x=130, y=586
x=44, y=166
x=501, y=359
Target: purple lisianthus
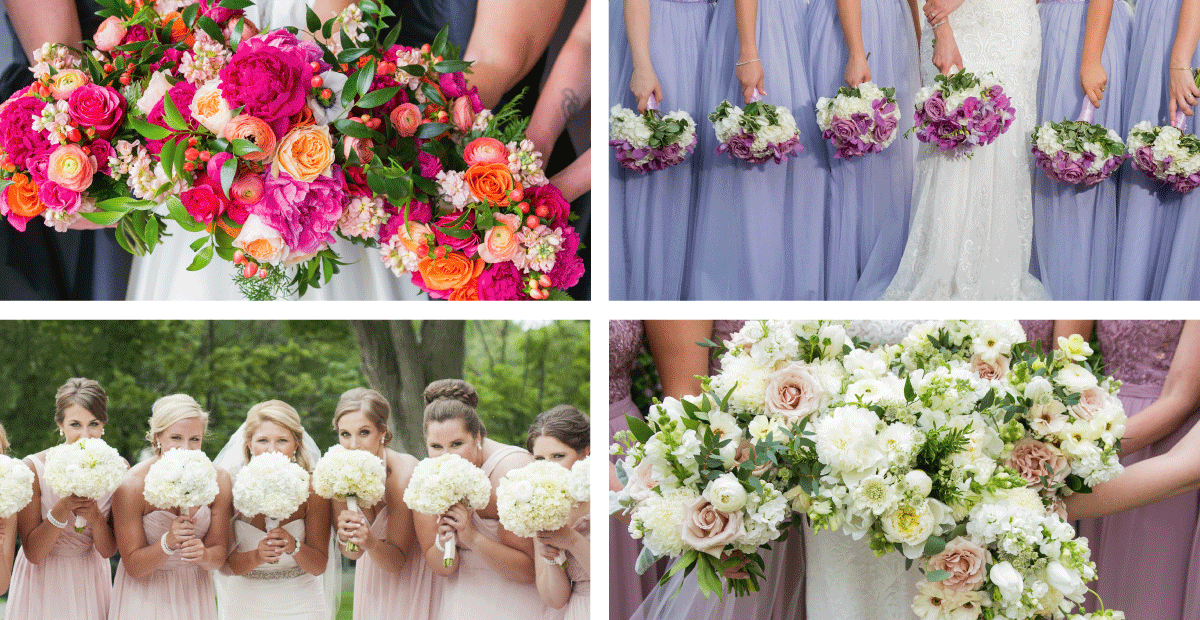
x=305, y=214
x=501, y=282
x=270, y=82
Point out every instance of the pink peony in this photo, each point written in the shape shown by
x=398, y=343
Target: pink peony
x=429, y=164
x=550, y=197
x=568, y=267
x=1030, y=458
x=501, y=282
x=304, y=213
x=181, y=95
x=100, y=107
x=269, y=82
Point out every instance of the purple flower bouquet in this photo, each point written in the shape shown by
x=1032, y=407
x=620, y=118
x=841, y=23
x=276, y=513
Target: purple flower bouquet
x=859, y=120
x=758, y=133
x=652, y=140
x=1077, y=151
x=961, y=112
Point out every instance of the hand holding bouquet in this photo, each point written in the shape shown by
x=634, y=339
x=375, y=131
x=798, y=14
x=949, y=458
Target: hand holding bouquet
x=441, y=482
x=87, y=468
x=351, y=476
x=1077, y=151
x=859, y=120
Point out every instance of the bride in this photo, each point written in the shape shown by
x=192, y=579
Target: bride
x=971, y=232
x=164, y=276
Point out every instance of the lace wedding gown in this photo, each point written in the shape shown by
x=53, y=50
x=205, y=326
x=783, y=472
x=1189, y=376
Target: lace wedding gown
x=971, y=231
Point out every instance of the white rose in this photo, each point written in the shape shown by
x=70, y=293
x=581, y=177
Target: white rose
x=919, y=481
x=156, y=89
x=726, y=493
x=1007, y=579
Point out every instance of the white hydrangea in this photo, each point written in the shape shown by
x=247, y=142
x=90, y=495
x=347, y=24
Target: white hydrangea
x=87, y=468
x=656, y=520
x=271, y=485
x=181, y=479
x=16, y=486
x=535, y=498
x=356, y=477
x=440, y=482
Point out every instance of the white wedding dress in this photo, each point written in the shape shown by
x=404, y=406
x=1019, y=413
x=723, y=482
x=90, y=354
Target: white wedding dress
x=971, y=232
x=283, y=591
x=163, y=275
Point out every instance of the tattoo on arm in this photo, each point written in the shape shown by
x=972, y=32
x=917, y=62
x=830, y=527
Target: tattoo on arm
x=572, y=103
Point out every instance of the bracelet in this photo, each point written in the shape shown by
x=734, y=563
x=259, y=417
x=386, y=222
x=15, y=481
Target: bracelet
x=162, y=542
x=294, y=550
x=55, y=522
x=1181, y=68
x=940, y=23
x=437, y=542
x=746, y=62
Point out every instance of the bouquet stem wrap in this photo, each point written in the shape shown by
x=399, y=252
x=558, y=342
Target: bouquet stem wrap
x=352, y=504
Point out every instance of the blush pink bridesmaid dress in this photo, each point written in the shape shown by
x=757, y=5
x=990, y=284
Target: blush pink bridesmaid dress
x=176, y=590
x=411, y=594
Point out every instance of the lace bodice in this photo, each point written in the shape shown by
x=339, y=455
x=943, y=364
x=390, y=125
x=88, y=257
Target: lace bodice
x=624, y=342
x=1138, y=352
x=881, y=332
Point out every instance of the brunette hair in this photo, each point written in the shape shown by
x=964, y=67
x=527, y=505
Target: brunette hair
x=371, y=403
x=564, y=423
x=83, y=392
x=448, y=399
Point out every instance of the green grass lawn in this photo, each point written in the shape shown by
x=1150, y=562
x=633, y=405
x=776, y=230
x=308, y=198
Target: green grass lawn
x=347, y=609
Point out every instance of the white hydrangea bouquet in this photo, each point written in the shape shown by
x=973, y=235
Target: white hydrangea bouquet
x=580, y=483
x=271, y=485
x=652, y=140
x=757, y=133
x=440, y=482
x=352, y=476
x=181, y=479
x=1078, y=151
x=87, y=468
x=860, y=120
x=536, y=498
x=16, y=486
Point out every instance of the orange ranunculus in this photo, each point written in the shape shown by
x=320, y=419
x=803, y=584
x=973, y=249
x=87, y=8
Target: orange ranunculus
x=463, y=114
x=485, y=151
x=301, y=118
x=468, y=291
x=71, y=168
x=305, y=153
x=63, y=83
x=179, y=30
x=414, y=234
x=491, y=183
x=500, y=243
x=452, y=272
x=253, y=129
x=406, y=118
x=22, y=197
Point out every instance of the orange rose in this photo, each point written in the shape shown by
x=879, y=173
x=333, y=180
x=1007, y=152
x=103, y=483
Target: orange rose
x=71, y=168
x=63, y=83
x=305, y=153
x=210, y=108
x=485, y=151
x=179, y=30
x=303, y=117
x=468, y=292
x=254, y=129
x=491, y=183
x=414, y=235
x=452, y=272
x=22, y=197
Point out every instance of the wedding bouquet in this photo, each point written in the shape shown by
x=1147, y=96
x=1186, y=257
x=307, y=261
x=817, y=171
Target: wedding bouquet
x=271, y=485
x=16, y=486
x=443, y=481
x=859, y=120
x=181, y=479
x=650, y=141
x=758, y=133
x=1166, y=154
x=579, y=485
x=353, y=476
x=535, y=498
x=961, y=112
x=1077, y=151
x=87, y=468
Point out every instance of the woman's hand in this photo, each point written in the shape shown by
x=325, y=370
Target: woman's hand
x=644, y=84
x=946, y=56
x=751, y=77
x=459, y=519
x=857, y=71
x=192, y=551
x=1183, y=92
x=938, y=10
x=1094, y=80
x=287, y=542
x=269, y=549
x=182, y=530
x=352, y=528
x=562, y=538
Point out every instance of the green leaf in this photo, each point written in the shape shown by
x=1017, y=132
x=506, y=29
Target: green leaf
x=211, y=28
x=236, y=36
x=364, y=78
x=378, y=97
x=242, y=147
x=937, y=575
x=457, y=233
x=228, y=174
x=433, y=95
x=312, y=20
x=172, y=116
x=432, y=130
x=641, y=431
x=179, y=213
x=392, y=36
x=413, y=70
x=451, y=66
x=180, y=158
x=189, y=14
x=350, y=55
x=933, y=545
x=368, y=6
x=103, y=218
x=149, y=131
x=167, y=156
x=203, y=258
x=327, y=31
x=235, y=4
x=645, y=559
x=684, y=561
x=438, y=47
x=353, y=128
x=350, y=89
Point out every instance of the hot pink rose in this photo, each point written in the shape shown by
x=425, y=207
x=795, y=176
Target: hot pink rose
x=204, y=201
x=964, y=560
x=989, y=370
x=101, y=150
x=100, y=107
x=1030, y=458
x=707, y=529
x=485, y=151
x=110, y=33
x=59, y=198
x=406, y=118
x=793, y=392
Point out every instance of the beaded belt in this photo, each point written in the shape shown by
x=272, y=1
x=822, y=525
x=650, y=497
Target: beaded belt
x=698, y=1
x=287, y=573
x=1064, y=1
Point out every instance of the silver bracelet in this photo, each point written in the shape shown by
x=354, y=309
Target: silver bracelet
x=746, y=62
x=294, y=550
x=162, y=542
x=940, y=23
x=55, y=522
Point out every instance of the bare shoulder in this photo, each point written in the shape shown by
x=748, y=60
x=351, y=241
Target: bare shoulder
x=515, y=459
x=400, y=466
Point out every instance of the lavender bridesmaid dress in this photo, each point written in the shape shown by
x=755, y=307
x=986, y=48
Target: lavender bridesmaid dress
x=652, y=213
x=38, y=590
x=176, y=590
x=411, y=594
x=1039, y=331
x=760, y=229
x=478, y=592
x=1158, y=230
x=1157, y=541
x=1074, y=227
x=868, y=217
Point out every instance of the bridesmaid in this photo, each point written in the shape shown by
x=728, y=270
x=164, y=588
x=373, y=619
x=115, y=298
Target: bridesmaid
x=60, y=572
x=492, y=576
x=1157, y=362
x=1073, y=226
x=390, y=580
x=562, y=435
x=166, y=557
x=8, y=532
x=277, y=573
x=652, y=213
x=760, y=228
x=1157, y=228
x=851, y=42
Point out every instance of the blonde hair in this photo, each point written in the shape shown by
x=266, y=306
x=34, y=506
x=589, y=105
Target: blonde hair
x=83, y=392
x=3, y=440
x=371, y=403
x=171, y=409
x=447, y=399
x=284, y=415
